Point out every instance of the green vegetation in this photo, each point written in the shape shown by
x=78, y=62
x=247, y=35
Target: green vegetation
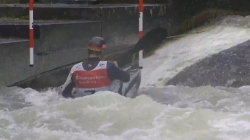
x=9, y=1
x=205, y=17
x=101, y=1
x=131, y=1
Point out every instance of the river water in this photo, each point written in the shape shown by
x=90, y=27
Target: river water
x=158, y=113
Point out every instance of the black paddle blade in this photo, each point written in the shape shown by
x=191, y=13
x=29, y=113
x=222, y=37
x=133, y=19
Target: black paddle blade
x=150, y=41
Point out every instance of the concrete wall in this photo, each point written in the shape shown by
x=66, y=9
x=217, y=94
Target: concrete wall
x=59, y=45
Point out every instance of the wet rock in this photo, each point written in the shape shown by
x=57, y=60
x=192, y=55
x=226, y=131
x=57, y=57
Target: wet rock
x=229, y=68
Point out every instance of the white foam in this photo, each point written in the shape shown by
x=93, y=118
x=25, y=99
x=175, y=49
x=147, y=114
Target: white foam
x=176, y=55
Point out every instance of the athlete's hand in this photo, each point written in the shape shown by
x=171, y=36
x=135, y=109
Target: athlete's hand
x=115, y=64
x=73, y=94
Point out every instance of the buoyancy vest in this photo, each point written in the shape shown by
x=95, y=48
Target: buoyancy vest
x=89, y=82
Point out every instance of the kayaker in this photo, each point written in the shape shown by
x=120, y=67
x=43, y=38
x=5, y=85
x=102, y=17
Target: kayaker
x=93, y=74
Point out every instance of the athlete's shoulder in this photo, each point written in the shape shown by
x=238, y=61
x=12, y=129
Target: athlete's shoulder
x=77, y=66
x=102, y=65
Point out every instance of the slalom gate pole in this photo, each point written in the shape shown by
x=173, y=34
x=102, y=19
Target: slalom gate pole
x=31, y=32
x=140, y=19
x=141, y=7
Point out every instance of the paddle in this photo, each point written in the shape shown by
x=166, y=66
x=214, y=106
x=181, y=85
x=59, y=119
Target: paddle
x=149, y=43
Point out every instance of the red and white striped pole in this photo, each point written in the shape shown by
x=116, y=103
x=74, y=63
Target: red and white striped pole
x=140, y=18
x=31, y=39
x=140, y=32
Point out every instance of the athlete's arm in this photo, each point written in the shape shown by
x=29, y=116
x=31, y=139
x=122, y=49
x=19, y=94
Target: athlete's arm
x=67, y=92
x=68, y=85
x=115, y=73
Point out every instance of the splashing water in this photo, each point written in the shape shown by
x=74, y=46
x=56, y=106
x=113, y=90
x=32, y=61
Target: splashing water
x=170, y=113
x=176, y=55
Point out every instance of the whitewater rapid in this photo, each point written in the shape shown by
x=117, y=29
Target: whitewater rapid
x=198, y=44
x=158, y=113
x=167, y=113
